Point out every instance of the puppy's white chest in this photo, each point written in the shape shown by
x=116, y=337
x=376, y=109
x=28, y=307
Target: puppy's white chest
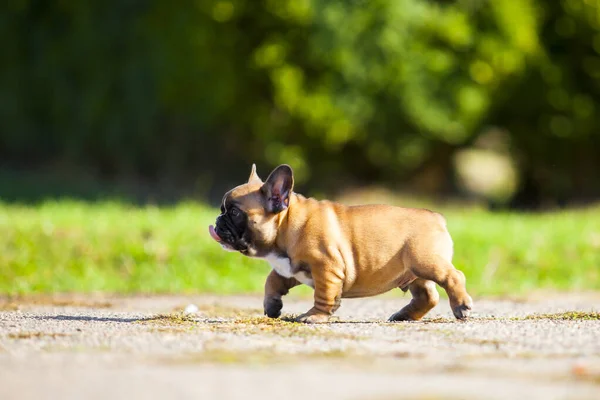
x=283, y=267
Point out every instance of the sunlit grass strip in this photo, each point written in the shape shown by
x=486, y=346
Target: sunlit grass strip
x=111, y=247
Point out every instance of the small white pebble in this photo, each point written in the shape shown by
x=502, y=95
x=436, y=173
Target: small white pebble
x=191, y=309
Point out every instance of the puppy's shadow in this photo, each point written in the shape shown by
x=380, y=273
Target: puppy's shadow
x=89, y=318
x=285, y=318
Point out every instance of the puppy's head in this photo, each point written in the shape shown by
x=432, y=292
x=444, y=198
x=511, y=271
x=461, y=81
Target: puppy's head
x=250, y=213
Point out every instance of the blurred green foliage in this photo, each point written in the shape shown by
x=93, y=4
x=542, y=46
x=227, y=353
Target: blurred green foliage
x=380, y=90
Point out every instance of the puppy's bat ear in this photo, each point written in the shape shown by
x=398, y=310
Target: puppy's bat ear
x=278, y=188
x=254, y=176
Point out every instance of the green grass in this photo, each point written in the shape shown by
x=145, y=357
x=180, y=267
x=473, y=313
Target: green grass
x=71, y=246
x=510, y=252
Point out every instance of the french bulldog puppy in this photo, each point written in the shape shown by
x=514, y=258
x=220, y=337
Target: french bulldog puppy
x=340, y=251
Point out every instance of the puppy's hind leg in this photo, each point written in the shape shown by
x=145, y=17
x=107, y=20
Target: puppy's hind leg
x=425, y=297
x=452, y=280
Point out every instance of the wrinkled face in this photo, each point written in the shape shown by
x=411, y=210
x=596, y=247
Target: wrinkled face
x=232, y=227
x=249, y=213
x=236, y=227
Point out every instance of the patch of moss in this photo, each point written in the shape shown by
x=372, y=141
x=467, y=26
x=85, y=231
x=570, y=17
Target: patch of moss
x=280, y=327
x=286, y=320
x=245, y=325
x=289, y=318
x=565, y=316
x=445, y=320
x=438, y=320
x=169, y=319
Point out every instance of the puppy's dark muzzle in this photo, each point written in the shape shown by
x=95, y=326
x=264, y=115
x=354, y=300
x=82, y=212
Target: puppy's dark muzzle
x=224, y=231
x=229, y=233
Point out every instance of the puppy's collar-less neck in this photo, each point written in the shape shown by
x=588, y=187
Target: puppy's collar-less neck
x=282, y=217
x=284, y=225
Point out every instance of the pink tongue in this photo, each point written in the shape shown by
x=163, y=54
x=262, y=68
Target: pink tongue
x=213, y=233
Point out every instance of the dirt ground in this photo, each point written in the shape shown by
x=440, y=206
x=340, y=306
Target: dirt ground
x=99, y=347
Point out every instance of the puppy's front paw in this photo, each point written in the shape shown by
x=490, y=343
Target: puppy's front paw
x=401, y=316
x=313, y=317
x=273, y=307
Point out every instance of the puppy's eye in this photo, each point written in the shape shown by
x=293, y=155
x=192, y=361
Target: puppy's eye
x=235, y=212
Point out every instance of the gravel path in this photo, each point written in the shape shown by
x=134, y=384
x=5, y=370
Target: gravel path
x=104, y=347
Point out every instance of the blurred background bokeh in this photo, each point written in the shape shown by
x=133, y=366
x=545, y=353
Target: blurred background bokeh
x=489, y=100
